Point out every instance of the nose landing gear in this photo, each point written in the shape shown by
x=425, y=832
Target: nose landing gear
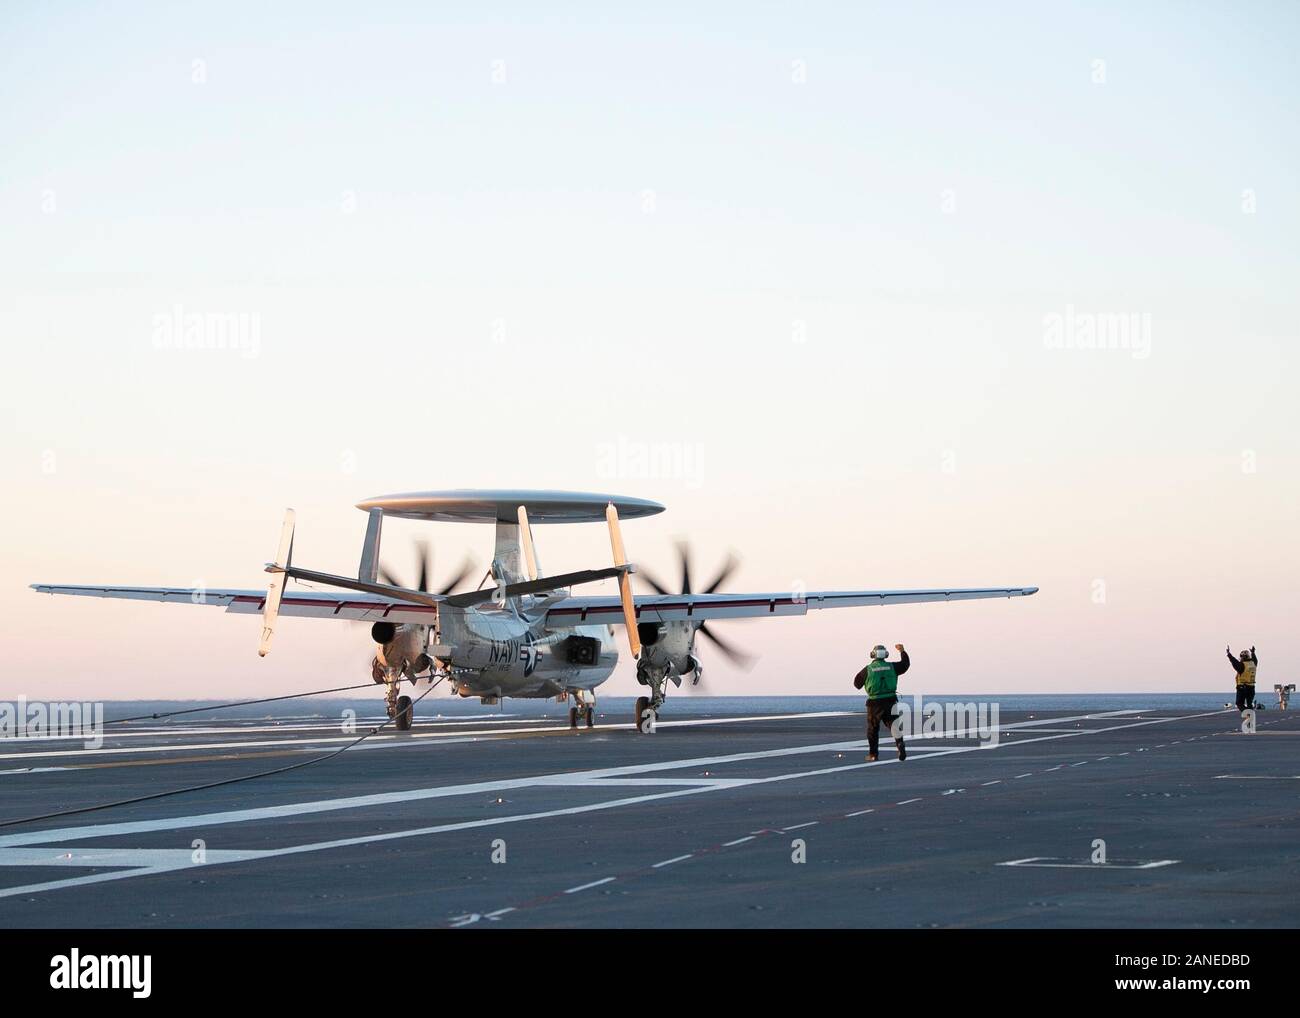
x=582, y=708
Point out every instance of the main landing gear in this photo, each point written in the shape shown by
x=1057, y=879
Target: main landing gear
x=399, y=707
x=582, y=709
x=647, y=707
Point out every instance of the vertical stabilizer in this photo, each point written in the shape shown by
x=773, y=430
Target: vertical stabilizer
x=368, y=571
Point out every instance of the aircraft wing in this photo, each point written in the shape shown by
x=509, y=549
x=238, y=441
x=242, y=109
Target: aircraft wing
x=299, y=603
x=576, y=611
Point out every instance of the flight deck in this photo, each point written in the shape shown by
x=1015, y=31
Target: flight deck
x=480, y=819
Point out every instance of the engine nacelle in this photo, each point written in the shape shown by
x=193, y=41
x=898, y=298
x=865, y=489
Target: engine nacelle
x=668, y=646
x=400, y=648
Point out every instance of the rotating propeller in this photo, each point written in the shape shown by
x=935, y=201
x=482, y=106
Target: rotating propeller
x=424, y=565
x=729, y=650
x=384, y=632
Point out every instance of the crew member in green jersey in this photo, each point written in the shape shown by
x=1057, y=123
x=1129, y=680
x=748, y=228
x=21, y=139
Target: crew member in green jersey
x=880, y=680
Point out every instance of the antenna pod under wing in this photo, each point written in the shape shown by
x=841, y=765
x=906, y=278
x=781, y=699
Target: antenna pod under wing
x=624, y=581
x=271, y=607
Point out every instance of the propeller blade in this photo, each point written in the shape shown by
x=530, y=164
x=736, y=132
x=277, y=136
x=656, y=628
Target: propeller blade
x=651, y=582
x=729, y=650
x=424, y=555
x=683, y=550
x=724, y=574
x=424, y=561
x=466, y=568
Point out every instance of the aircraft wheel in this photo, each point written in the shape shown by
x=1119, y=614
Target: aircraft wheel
x=642, y=705
x=591, y=716
x=404, y=712
x=573, y=717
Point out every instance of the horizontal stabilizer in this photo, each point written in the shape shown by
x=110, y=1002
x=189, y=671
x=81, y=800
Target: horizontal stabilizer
x=538, y=586
x=347, y=583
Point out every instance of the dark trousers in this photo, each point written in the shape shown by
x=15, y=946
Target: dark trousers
x=878, y=711
x=1245, y=697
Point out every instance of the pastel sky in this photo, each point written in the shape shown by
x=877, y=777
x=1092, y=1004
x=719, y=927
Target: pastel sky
x=814, y=275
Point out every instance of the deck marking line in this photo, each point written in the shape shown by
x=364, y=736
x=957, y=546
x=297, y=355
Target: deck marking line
x=588, y=887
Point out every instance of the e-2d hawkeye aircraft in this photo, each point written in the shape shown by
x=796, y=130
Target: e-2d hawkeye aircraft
x=526, y=635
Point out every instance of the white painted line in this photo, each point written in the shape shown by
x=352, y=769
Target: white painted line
x=995, y=781
x=695, y=722
x=582, y=779
x=738, y=841
x=112, y=732
x=1027, y=774
x=152, y=858
x=906, y=801
x=799, y=827
x=597, y=777
x=498, y=913
x=669, y=862
x=1257, y=777
x=402, y=739
x=406, y=738
x=34, y=770
x=1046, y=862
x=859, y=813
x=587, y=887
x=1056, y=768
x=1079, y=764
x=1101, y=758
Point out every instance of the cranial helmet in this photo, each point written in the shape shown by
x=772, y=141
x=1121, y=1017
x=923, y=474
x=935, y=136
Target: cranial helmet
x=879, y=652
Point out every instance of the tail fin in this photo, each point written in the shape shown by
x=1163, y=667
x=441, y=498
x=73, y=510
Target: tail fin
x=283, y=559
x=624, y=581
